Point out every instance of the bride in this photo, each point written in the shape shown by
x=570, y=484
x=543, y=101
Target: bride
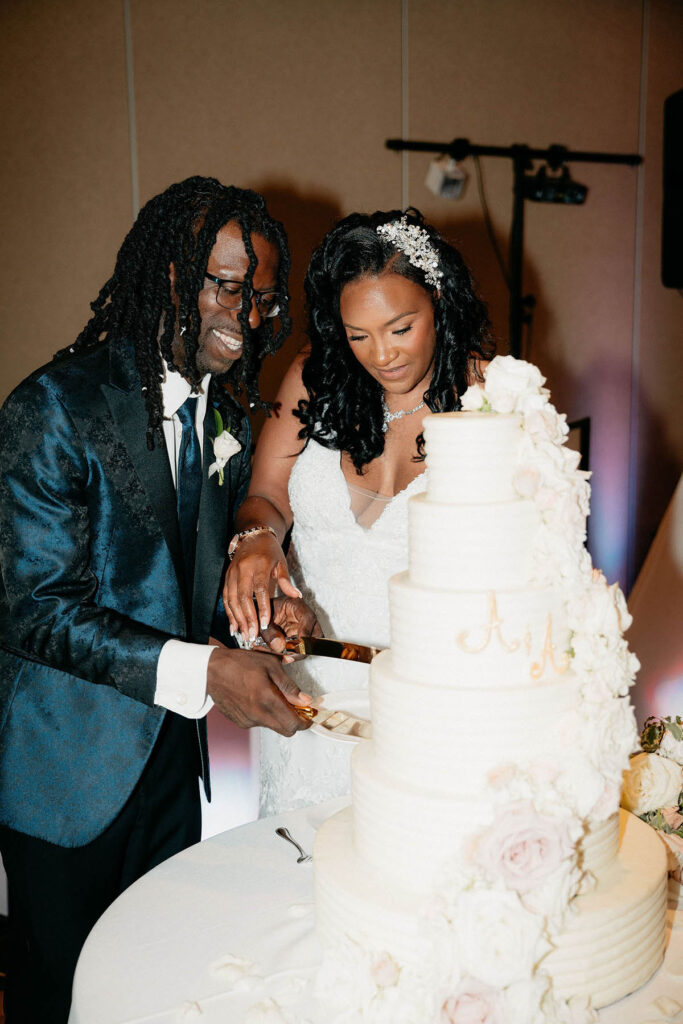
x=395, y=330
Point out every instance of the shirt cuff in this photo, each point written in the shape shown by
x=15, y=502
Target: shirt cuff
x=181, y=678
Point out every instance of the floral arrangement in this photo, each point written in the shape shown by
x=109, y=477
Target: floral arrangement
x=653, y=785
x=497, y=908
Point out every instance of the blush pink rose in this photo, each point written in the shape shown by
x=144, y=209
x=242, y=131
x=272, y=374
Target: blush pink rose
x=474, y=1003
x=385, y=971
x=672, y=817
x=524, y=848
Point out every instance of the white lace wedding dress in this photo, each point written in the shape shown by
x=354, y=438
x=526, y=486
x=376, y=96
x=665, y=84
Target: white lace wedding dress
x=342, y=568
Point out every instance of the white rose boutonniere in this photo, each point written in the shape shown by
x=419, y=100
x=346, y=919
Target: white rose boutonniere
x=224, y=447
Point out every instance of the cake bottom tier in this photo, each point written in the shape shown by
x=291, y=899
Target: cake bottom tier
x=614, y=941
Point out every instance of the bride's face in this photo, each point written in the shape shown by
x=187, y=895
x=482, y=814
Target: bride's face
x=389, y=324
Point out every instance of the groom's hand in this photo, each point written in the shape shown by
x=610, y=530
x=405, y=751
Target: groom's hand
x=291, y=616
x=253, y=689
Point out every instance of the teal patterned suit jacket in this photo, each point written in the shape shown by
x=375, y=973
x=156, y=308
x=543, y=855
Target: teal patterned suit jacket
x=92, y=587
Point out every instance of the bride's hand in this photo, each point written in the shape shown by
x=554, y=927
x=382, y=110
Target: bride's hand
x=257, y=567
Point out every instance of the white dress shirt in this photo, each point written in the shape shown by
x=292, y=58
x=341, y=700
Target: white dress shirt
x=182, y=666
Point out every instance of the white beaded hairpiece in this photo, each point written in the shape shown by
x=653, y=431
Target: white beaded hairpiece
x=414, y=242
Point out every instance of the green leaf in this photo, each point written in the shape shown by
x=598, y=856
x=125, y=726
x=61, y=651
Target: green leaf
x=218, y=419
x=675, y=730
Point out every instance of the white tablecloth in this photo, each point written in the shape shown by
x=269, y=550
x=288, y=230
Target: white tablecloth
x=163, y=951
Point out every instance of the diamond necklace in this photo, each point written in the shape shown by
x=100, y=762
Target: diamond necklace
x=388, y=417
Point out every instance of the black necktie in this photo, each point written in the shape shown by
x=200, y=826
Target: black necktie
x=189, y=486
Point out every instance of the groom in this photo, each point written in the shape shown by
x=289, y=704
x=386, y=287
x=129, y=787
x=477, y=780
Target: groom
x=122, y=463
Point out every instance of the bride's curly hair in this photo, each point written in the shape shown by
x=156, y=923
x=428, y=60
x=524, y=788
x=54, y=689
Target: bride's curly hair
x=344, y=406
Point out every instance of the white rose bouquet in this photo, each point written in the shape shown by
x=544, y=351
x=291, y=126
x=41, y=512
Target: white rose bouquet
x=653, y=784
x=650, y=783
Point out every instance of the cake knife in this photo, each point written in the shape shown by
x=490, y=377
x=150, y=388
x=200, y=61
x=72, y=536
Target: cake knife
x=326, y=648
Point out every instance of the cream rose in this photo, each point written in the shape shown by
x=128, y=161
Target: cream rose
x=651, y=782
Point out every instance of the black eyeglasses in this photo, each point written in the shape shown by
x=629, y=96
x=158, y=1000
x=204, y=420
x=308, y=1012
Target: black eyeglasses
x=230, y=295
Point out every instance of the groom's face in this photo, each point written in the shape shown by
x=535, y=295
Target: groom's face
x=220, y=340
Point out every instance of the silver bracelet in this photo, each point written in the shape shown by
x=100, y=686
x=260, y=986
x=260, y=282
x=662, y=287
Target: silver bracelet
x=251, y=532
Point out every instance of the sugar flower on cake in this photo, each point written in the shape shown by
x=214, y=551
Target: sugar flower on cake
x=577, y=1010
x=650, y=783
x=599, y=608
x=609, y=736
x=523, y=848
x=500, y=941
x=373, y=987
x=605, y=665
x=509, y=381
x=473, y=1003
x=384, y=970
x=546, y=424
x=474, y=400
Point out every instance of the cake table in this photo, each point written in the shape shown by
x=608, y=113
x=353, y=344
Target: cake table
x=189, y=940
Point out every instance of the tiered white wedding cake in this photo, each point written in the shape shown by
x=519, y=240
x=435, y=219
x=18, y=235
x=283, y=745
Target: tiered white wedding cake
x=482, y=872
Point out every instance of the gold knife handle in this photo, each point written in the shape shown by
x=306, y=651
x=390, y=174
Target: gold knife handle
x=295, y=645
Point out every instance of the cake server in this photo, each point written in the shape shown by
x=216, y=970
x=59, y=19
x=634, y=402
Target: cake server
x=326, y=648
x=286, y=834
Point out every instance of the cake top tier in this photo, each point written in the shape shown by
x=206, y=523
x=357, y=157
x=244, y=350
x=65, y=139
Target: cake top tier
x=471, y=456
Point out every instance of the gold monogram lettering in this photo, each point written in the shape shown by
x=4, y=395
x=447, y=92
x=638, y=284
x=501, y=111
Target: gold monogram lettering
x=493, y=627
x=548, y=654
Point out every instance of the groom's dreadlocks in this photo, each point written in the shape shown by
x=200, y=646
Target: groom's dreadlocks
x=179, y=226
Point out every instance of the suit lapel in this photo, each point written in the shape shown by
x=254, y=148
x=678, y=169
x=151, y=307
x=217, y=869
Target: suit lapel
x=128, y=410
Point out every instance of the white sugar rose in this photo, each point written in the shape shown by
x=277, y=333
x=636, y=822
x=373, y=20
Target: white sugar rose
x=526, y=480
x=651, y=782
x=474, y=399
x=610, y=736
x=608, y=802
x=474, y=1003
x=509, y=381
x=581, y=786
x=523, y=848
x=599, y=609
x=500, y=941
x=546, y=424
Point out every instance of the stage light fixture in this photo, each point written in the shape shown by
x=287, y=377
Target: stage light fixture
x=544, y=187
x=445, y=177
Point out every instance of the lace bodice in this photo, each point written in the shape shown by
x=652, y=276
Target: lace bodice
x=343, y=570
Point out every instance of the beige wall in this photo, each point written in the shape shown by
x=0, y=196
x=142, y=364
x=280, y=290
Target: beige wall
x=296, y=99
